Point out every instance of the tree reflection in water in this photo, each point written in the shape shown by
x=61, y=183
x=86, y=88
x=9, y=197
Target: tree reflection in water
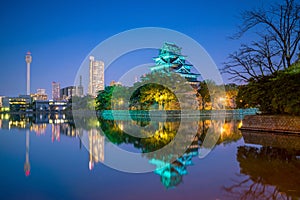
x=163, y=133
x=269, y=172
x=159, y=134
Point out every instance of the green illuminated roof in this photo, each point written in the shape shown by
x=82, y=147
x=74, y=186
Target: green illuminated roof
x=171, y=60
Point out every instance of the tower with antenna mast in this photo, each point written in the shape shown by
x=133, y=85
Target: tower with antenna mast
x=28, y=60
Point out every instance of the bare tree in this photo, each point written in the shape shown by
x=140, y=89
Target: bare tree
x=254, y=61
x=278, y=46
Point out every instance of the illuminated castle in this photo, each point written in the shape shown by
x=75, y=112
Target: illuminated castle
x=170, y=59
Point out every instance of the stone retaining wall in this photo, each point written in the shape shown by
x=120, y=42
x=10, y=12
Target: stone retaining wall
x=272, y=123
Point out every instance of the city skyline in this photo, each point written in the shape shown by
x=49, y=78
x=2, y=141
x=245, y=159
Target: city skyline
x=61, y=34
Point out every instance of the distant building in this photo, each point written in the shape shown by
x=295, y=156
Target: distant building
x=79, y=89
x=4, y=103
x=41, y=105
x=96, y=76
x=57, y=106
x=114, y=83
x=21, y=103
x=1, y=101
x=67, y=93
x=41, y=91
x=40, y=95
x=170, y=59
x=55, y=91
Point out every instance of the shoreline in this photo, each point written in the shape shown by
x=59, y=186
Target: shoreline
x=281, y=124
x=34, y=112
x=153, y=113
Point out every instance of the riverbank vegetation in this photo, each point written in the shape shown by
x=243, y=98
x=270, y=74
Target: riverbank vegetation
x=269, y=66
x=276, y=94
x=167, y=91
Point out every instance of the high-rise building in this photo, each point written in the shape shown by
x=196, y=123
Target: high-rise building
x=96, y=76
x=55, y=91
x=79, y=88
x=28, y=60
x=67, y=93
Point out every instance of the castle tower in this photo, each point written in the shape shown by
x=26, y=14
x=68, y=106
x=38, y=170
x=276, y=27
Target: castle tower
x=170, y=59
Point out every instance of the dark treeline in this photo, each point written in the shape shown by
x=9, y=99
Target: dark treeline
x=274, y=94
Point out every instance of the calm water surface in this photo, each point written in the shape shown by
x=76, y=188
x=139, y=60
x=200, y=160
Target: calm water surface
x=46, y=157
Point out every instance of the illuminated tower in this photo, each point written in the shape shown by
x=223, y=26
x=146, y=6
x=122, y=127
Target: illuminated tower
x=55, y=91
x=28, y=60
x=96, y=76
x=27, y=164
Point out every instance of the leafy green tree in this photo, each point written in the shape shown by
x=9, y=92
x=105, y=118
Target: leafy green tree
x=161, y=90
x=274, y=94
x=204, y=94
x=103, y=99
x=82, y=103
x=210, y=94
x=151, y=94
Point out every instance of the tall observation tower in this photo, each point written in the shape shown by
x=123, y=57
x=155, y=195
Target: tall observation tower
x=28, y=60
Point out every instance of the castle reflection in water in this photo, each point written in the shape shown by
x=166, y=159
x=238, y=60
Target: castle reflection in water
x=161, y=133
x=267, y=163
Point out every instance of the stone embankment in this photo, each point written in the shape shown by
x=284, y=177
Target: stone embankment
x=272, y=123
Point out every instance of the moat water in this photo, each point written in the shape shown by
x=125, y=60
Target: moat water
x=49, y=156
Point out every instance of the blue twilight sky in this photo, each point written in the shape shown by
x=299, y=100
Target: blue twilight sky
x=61, y=33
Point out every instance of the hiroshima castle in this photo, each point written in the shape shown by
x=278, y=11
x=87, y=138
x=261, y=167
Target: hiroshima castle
x=170, y=59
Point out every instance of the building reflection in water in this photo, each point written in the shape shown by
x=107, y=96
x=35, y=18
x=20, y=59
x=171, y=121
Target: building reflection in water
x=96, y=147
x=55, y=130
x=37, y=123
x=27, y=164
x=158, y=135
x=269, y=167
